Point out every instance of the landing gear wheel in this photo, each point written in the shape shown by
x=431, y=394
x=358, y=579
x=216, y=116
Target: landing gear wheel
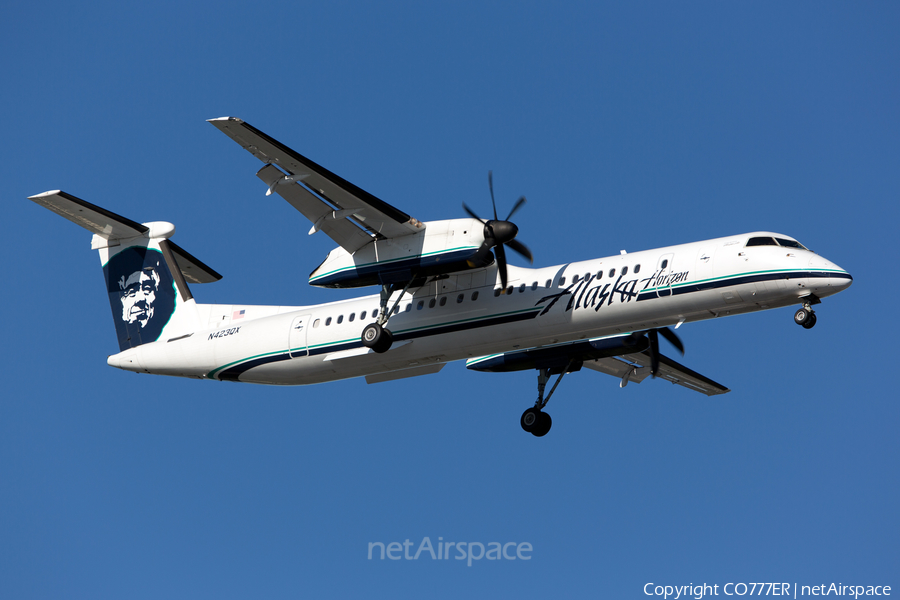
x=810, y=321
x=543, y=425
x=802, y=316
x=530, y=418
x=377, y=338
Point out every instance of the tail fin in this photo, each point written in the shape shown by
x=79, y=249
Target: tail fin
x=146, y=275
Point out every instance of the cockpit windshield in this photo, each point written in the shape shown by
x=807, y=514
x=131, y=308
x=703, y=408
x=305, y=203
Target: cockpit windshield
x=770, y=241
x=791, y=244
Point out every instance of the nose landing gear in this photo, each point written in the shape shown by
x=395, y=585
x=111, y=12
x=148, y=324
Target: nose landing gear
x=806, y=317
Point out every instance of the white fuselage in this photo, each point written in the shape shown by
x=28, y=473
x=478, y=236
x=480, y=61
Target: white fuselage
x=464, y=315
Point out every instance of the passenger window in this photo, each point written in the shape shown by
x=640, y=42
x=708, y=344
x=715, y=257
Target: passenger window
x=420, y=305
x=431, y=303
x=374, y=313
x=562, y=281
x=316, y=323
x=549, y=283
x=340, y=319
x=587, y=276
x=664, y=264
x=534, y=285
x=624, y=271
x=496, y=292
x=460, y=298
x=396, y=309
x=362, y=316
x=474, y=296
x=575, y=279
x=327, y=321
x=443, y=300
x=408, y=306
x=612, y=272
x=521, y=288
x=637, y=269
x=599, y=274
x=352, y=316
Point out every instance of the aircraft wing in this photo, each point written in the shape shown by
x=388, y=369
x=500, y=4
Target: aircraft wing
x=616, y=355
x=637, y=367
x=349, y=215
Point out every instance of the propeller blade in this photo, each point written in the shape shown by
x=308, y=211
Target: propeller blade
x=472, y=213
x=521, y=248
x=654, y=351
x=491, y=186
x=673, y=339
x=501, y=263
x=516, y=207
x=498, y=234
x=482, y=257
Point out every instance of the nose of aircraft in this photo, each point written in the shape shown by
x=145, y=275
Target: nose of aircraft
x=834, y=277
x=843, y=280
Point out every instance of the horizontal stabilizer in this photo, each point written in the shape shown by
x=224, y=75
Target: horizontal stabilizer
x=97, y=220
x=110, y=226
x=193, y=270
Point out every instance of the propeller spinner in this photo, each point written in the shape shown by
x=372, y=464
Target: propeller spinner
x=498, y=234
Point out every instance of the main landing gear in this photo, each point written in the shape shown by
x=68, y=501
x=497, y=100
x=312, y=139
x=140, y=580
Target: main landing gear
x=534, y=420
x=806, y=317
x=375, y=335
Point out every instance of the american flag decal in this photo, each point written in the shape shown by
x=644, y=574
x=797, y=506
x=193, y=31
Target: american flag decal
x=238, y=314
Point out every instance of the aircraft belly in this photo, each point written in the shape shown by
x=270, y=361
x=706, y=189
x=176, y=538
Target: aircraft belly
x=295, y=371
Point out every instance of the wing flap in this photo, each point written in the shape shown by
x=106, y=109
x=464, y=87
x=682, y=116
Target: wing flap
x=638, y=364
x=370, y=212
x=343, y=231
x=618, y=368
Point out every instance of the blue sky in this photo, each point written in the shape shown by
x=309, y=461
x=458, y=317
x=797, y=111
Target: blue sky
x=626, y=126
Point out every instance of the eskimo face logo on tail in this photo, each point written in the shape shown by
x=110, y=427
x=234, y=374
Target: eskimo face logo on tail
x=141, y=295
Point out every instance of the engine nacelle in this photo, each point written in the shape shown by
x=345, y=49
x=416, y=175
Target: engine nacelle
x=442, y=247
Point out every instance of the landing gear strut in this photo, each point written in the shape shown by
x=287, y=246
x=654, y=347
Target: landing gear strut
x=805, y=316
x=375, y=335
x=534, y=420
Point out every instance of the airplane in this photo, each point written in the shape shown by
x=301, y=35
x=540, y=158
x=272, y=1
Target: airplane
x=447, y=293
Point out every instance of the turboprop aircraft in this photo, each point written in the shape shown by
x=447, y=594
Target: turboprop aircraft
x=446, y=294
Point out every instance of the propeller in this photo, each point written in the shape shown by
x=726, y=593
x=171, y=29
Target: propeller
x=653, y=349
x=498, y=234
